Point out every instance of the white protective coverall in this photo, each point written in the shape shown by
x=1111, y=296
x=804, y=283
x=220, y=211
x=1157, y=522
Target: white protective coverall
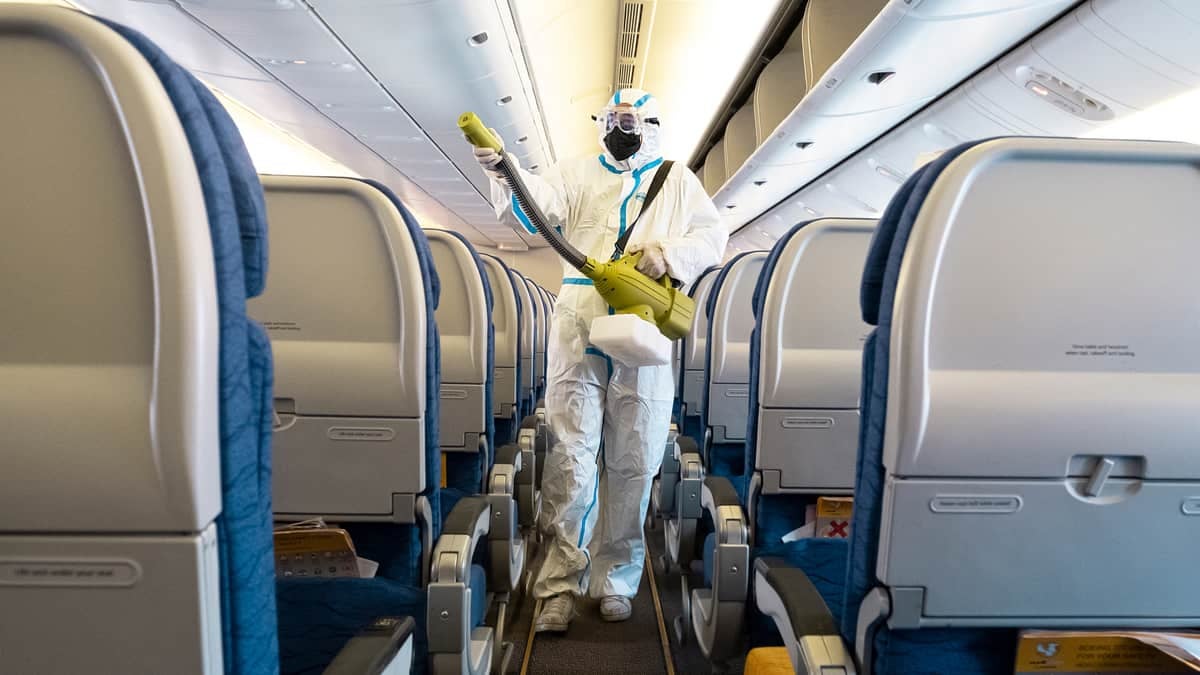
x=594, y=517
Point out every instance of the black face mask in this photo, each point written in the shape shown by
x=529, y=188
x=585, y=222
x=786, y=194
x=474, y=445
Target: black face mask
x=622, y=145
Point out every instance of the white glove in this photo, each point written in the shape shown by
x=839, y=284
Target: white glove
x=653, y=263
x=489, y=158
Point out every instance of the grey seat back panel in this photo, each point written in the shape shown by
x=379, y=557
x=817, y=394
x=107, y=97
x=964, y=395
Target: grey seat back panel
x=463, y=324
x=728, y=373
x=108, y=405
x=528, y=330
x=1043, y=346
x=810, y=358
x=345, y=309
x=544, y=321
x=695, y=345
x=507, y=334
x=537, y=346
x=110, y=468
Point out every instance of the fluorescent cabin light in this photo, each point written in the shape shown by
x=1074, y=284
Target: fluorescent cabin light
x=720, y=35
x=274, y=150
x=1171, y=120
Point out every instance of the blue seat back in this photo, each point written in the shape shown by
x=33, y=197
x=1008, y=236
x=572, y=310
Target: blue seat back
x=468, y=343
x=991, y=423
x=689, y=389
x=727, y=366
x=171, y=492
x=506, y=323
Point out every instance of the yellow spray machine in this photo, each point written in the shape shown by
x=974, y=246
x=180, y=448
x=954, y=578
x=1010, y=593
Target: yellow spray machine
x=629, y=292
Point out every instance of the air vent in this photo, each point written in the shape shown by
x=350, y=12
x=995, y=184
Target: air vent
x=635, y=18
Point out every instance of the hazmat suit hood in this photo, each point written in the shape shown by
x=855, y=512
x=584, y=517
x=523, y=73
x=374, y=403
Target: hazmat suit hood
x=651, y=147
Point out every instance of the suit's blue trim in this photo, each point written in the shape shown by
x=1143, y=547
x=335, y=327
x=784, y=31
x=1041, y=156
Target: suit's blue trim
x=610, y=167
x=576, y=281
x=637, y=182
x=642, y=101
x=516, y=208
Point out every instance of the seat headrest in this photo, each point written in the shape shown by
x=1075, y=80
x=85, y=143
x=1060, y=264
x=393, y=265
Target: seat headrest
x=424, y=254
x=250, y=210
x=720, y=281
x=898, y=217
x=764, y=279
x=487, y=285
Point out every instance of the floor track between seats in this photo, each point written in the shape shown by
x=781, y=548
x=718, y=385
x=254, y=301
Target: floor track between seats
x=595, y=646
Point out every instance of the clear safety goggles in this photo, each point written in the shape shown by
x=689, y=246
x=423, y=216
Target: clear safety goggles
x=626, y=118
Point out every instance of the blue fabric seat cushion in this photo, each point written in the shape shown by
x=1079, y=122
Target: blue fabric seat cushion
x=317, y=617
x=237, y=228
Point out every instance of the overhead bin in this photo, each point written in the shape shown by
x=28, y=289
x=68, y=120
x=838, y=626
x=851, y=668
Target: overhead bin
x=740, y=138
x=714, y=168
x=780, y=86
x=862, y=82
x=828, y=28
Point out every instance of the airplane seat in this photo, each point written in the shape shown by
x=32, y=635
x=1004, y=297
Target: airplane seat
x=726, y=389
x=528, y=336
x=357, y=437
x=506, y=321
x=802, y=429
x=466, y=427
x=538, y=348
x=1025, y=405
x=689, y=397
x=675, y=492
x=145, y=510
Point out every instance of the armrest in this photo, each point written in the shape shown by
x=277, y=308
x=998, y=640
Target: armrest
x=718, y=613
x=386, y=646
x=662, y=497
x=788, y=596
x=454, y=645
x=679, y=527
x=505, y=544
x=528, y=480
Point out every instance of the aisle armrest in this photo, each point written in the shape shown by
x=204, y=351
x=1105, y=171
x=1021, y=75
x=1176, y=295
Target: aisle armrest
x=505, y=542
x=528, y=480
x=679, y=528
x=386, y=646
x=718, y=613
x=786, y=594
x=455, y=646
x=663, y=494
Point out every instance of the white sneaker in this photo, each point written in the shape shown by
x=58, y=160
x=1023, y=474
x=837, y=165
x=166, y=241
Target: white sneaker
x=556, y=614
x=615, y=608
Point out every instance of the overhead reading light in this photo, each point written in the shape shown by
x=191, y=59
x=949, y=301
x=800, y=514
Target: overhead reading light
x=504, y=100
x=477, y=39
x=523, y=139
x=812, y=212
x=533, y=167
x=731, y=206
x=759, y=183
x=886, y=171
x=804, y=145
x=1064, y=96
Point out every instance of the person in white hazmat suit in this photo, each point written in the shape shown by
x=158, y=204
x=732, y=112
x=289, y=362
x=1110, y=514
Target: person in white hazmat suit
x=595, y=493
